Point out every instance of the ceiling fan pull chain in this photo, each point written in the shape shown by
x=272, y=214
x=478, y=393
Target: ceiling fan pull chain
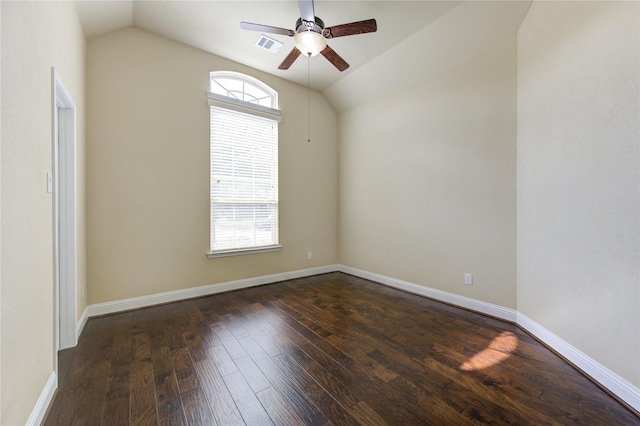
x=308, y=98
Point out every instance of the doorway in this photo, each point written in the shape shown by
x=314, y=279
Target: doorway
x=64, y=194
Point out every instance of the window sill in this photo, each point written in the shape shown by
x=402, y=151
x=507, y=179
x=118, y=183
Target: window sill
x=240, y=252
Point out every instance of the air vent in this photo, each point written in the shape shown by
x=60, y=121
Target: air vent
x=268, y=43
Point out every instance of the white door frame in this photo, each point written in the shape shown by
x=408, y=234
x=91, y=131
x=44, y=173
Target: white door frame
x=64, y=185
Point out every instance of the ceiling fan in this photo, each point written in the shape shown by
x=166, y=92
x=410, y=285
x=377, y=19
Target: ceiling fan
x=310, y=34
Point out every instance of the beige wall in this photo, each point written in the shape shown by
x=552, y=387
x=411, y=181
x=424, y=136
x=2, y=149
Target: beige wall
x=578, y=177
x=35, y=37
x=148, y=165
x=427, y=181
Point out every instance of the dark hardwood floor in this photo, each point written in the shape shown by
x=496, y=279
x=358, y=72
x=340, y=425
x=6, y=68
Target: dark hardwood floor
x=330, y=349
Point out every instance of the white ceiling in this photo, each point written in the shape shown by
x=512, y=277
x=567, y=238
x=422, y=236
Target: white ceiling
x=408, y=33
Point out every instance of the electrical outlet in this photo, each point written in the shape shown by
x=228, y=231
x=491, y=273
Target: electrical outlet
x=309, y=255
x=468, y=279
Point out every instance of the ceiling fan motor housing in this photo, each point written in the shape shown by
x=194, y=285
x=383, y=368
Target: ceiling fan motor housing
x=316, y=27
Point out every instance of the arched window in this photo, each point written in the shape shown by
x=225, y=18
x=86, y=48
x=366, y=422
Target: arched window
x=243, y=88
x=244, y=165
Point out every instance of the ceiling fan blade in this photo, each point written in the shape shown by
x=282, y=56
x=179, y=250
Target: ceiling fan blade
x=266, y=29
x=306, y=10
x=360, y=27
x=334, y=58
x=290, y=59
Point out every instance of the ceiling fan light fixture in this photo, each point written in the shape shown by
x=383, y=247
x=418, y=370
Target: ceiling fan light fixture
x=310, y=43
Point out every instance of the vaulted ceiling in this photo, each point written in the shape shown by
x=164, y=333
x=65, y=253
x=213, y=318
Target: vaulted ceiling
x=414, y=38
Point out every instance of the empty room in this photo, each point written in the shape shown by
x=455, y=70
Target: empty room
x=320, y=212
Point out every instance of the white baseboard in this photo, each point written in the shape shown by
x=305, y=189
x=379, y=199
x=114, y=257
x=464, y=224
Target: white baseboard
x=443, y=296
x=82, y=321
x=607, y=378
x=190, y=293
x=42, y=405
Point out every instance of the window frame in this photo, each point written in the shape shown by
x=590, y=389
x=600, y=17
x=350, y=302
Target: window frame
x=245, y=107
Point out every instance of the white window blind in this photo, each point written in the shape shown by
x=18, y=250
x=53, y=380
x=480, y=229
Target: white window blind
x=244, y=180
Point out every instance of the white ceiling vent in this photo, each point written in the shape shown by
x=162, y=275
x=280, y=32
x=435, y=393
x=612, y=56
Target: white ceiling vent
x=268, y=43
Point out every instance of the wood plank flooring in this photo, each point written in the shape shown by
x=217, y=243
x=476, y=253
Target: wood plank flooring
x=329, y=349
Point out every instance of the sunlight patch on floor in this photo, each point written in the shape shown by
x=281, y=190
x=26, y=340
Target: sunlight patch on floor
x=498, y=350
